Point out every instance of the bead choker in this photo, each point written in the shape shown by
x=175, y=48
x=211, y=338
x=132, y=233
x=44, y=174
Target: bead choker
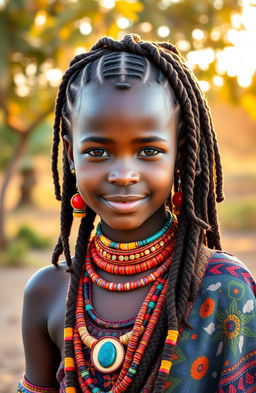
x=136, y=244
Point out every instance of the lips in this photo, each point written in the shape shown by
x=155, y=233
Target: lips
x=124, y=203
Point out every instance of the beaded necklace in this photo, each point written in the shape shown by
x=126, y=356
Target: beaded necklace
x=129, y=263
x=90, y=312
x=124, y=286
x=137, y=244
x=108, y=353
x=143, y=328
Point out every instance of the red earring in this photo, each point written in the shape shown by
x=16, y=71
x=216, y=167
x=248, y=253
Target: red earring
x=177, y=197
x=78, y=205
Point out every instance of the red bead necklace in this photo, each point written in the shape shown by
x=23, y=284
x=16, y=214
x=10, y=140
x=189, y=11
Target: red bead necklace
x=123, y=286
x=128, y=262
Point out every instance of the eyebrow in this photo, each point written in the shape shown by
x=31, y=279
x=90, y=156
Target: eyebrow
x=97, y=139
x=101, y=139
x=149, y=139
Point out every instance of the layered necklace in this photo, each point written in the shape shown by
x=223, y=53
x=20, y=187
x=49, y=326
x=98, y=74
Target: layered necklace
x=109, y=353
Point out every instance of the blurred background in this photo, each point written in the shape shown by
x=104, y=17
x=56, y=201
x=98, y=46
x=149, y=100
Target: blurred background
x=37, y=40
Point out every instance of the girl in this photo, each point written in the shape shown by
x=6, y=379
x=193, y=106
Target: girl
x=140, y=152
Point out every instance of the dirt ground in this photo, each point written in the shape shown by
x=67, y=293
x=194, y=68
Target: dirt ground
x=12, y=281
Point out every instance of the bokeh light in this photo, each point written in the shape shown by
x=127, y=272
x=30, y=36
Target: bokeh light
x=107, y=3
x=232, y=60
x=163, y=31
x=123, y=23
x=54, y=76
x=40, y=18
x=85, y=27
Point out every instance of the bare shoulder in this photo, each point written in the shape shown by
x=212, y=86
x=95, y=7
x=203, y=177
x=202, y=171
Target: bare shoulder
x=44, y=287
x=47, y=280
x=42, y=323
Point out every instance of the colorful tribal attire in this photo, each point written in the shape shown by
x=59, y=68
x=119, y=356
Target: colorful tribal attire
x=215, y=353
x=218, y=355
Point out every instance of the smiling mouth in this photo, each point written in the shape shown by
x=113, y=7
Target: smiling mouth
x=124, y=203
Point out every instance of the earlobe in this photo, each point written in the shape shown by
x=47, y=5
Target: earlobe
x=68, y=145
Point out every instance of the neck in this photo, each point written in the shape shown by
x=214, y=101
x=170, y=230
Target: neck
x=148, y=228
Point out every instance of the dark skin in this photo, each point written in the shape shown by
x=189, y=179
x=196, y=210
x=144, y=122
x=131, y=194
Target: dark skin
x=123, y=147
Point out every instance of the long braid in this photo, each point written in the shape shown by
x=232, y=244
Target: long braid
x=213, y=149
x=85, y=230
x=122, y=61
x=153, y=349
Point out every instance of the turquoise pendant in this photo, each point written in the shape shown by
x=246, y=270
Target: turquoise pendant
x=107, y=354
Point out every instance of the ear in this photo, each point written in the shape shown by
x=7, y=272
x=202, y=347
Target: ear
x=68, y=145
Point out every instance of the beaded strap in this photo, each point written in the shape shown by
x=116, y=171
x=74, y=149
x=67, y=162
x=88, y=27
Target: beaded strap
x=24, y=386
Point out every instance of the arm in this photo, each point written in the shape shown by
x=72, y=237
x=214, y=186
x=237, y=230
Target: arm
x=41, y=297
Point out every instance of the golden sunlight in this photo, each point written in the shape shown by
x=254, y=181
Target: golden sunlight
x=233, y=59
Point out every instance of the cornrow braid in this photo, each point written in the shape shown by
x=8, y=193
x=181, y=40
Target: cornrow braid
x=201, y=175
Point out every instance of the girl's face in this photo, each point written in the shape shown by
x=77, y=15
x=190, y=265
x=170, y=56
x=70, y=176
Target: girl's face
x=124, y=148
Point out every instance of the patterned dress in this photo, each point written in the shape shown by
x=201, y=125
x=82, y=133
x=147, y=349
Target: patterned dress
x=218, y=355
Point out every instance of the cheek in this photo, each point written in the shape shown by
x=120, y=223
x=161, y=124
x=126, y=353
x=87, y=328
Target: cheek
x=89, y=177
x=161, y=176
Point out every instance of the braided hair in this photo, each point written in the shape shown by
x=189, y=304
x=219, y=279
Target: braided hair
x=202, y=180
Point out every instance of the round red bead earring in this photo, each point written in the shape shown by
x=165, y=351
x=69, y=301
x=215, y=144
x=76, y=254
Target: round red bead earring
x=177, y=198
x=78, y=205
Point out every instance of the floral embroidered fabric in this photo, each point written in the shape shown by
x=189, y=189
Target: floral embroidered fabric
x=218, y=355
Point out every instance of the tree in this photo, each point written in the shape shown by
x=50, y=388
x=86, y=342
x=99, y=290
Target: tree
x=36, y=39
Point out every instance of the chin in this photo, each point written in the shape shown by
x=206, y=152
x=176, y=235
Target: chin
x=124, y=223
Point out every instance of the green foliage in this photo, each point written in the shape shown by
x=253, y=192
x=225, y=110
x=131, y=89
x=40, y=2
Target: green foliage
x=31, y=238
x=40, y=141
x=8, y=141
x=14, y=254
x=17, y=251
x=238, y=214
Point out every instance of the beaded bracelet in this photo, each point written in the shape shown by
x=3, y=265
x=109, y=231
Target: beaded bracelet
x=24, y=386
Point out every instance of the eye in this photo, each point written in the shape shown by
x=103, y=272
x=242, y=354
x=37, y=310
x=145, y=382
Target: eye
x=100, y=153
x=149, y=152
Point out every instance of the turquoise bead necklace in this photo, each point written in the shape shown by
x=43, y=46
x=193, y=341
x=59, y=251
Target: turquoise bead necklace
x=139, y=243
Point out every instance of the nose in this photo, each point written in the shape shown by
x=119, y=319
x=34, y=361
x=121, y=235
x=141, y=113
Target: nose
x=123, y=175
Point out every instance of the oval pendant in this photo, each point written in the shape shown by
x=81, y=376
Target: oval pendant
x=107, y=354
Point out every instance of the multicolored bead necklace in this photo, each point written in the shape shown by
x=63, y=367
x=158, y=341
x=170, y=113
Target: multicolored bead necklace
x=108, y=353
x=128, y=262
x=137, y=342
x=124, y=286
x=137, y=244
x=133, y=263
x=89, y=310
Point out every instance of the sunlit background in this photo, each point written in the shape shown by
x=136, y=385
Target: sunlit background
x=37, y=40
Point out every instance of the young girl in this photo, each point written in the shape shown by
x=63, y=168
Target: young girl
x=149, y=303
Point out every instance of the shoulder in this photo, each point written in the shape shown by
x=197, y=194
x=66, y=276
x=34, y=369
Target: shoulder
x=224, y=269
x=45, y=282
x=42, y=323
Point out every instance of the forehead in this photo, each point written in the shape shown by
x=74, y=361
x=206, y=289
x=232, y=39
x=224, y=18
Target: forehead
x=106, y=102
